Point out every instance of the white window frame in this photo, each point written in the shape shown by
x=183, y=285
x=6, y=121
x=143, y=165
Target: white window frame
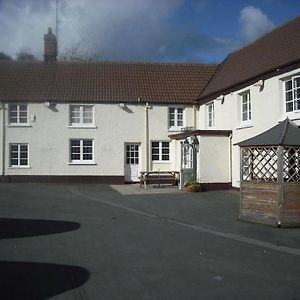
x=18, y=116
x=210, y=114
x=19, y=158
x=177, y=120
x=160, y=152
x=81, y=117
x=294, y=101
x=81, y=159
x=245, y=108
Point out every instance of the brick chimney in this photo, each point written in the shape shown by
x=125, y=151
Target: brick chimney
x=50, y=50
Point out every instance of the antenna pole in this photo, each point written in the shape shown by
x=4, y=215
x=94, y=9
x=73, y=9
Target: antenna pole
x=56, y=29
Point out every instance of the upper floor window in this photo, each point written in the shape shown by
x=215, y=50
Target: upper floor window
x=81, y=115
x=160, y=151
x=18, y=114
x=18, y=155
x=292, y=94
x=175, y=117
x=245, y=107
x=210, y=114
x=81, y=151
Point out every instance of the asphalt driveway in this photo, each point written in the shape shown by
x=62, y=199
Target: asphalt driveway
x=91, y=242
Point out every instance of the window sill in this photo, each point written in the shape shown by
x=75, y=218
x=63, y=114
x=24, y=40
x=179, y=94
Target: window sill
x=293, y=115
x=19, y=167
x=19, y=125
x=82, y=164
x=244, y=126
x=161, y=161
x=82, y=127
x=172, y=129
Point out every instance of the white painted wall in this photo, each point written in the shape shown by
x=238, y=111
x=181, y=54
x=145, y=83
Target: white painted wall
x=268, y=108
x=213, y=159
x=49, y=134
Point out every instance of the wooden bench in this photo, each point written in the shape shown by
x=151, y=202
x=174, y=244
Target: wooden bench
x=159, y=177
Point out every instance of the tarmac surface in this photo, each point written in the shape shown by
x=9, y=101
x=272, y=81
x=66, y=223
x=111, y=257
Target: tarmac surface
x=124, y=242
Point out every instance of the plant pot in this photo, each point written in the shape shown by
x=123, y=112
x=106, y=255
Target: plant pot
x=193, y=188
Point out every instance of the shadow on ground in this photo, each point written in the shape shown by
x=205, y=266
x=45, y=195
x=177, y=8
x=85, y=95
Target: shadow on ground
x=37, y=281
x=16, y=228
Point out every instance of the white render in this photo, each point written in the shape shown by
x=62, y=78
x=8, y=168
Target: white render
x=48, y=135
x=214, y=159
x=268, y=108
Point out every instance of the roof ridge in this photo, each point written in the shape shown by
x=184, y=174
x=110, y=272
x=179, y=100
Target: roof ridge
x=107, y=62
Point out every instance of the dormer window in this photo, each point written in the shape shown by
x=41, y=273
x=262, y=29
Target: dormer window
x=176, y=118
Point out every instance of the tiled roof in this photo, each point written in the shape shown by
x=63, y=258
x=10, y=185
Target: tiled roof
x=277, y=49
x=103, y=82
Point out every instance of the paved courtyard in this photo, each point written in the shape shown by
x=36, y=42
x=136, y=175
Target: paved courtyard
x=120, y=242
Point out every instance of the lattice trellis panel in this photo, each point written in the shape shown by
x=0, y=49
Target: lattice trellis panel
x=259, y=164
x=291, y=164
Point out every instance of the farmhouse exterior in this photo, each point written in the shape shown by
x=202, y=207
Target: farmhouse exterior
x=109, y=121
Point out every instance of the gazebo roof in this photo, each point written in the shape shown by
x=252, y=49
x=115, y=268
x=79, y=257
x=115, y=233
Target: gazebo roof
x=286, y=133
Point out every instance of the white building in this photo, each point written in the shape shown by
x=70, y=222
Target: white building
x=107, y=121
x=101, y=122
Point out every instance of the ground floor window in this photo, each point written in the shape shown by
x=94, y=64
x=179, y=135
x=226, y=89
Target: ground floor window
x=160, y=151
x=18, y=155
x=81, y=151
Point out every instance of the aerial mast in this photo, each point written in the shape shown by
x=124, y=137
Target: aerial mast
x=57, y=21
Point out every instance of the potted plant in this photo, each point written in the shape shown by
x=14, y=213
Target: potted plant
x=192, y=185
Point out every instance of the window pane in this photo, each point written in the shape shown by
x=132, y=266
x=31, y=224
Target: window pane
x=165, y=157
x=289, y=106
x=155, y=151
x=75, y=156
x=155, y=157
x=289, y=96
x=155, y=144
x=87, y=114
x=288, y=85
x=14, y=147
x=23, y=162
x=296, y=82
x=14, y=162
x=23, y=120
x=75, y=143
x=87, y=156
x=87, y=143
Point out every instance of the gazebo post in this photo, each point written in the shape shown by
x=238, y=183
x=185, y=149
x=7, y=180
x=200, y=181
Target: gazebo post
x=280, y=155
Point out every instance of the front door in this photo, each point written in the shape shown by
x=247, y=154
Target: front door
x=132, y=162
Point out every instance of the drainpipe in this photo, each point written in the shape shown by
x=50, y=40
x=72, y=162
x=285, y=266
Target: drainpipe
x=195, y=116
x=230, y=158
x=3, y=139
x=147, y=135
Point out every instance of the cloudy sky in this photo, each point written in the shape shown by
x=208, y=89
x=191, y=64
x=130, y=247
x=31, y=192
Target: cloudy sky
x=142, y=30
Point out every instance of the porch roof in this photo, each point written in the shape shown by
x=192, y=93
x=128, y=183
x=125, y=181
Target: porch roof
x=286, y=133
x=190, y=133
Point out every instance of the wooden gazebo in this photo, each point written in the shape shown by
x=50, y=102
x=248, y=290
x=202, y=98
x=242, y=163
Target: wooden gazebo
x=270, y=177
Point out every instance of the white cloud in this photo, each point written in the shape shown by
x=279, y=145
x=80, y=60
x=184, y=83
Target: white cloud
x=254, y=23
